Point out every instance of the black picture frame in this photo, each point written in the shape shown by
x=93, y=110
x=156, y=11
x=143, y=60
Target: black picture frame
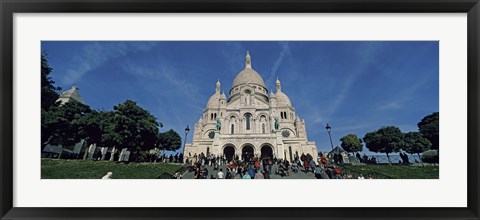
x=10, y=7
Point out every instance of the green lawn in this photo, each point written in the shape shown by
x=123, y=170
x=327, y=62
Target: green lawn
x=87, y=169
x=397, y=171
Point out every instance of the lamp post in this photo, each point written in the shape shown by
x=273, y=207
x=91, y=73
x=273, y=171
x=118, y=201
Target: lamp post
x=186, y=133
x=328, y=130
x=185, y=143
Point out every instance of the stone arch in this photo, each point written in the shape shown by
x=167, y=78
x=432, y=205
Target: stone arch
x=248, y=151
x=262, y=115
x=229, y=150
x=232, y=122
x=266, y=151
x=230, y=115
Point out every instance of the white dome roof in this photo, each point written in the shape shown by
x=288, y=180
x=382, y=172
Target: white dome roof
x=282, y=99
x=214, y=100
x=248, y=75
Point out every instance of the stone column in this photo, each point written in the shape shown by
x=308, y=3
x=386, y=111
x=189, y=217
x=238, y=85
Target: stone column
x=91, y=151
x=280, y=147
x=122, y=154
x=112, y=154
x=103, y=150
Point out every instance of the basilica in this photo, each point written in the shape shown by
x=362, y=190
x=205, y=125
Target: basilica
x=250, y=122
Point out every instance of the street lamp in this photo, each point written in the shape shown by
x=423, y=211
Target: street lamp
x=328, y=130
x=186, y=133
x=185, y=142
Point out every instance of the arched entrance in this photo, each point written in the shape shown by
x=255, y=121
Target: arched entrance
x=229, y=152
x=247, y=152
x=266, y=152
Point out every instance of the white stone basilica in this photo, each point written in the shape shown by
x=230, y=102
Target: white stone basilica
x=251, y=122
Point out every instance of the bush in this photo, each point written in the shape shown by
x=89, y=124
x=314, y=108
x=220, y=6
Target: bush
x=430, y=156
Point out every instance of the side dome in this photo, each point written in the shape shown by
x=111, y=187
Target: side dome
x=282, y=99
x=214, y=100
x=248, y=75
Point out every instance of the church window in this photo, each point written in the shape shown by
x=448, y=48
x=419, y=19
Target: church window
x=247, y=121
x=221, y=114
x=263, y=128
x=211, y=116
x=215, y=116
x=232, y=129
x=262, y=118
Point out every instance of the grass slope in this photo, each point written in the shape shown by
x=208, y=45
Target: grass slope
x=398, y=171
x=87, y=169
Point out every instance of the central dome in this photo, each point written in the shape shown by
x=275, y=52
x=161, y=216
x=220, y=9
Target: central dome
x=248, y=75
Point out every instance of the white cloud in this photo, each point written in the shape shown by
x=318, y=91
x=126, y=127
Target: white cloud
x=95, y=54
x=276, y=65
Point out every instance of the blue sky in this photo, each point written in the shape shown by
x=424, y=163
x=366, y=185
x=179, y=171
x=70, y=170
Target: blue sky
x=355, y=86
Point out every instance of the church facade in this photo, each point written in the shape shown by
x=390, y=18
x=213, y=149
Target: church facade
x=251, y=122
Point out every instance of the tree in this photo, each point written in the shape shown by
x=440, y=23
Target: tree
x=108, y=127
x=384, y=140
x=133, y=127
x=428, y=127
x=169, y=140
x=49, y=93
x=414, y=143
x=59, y=124
x=351, y=143
x=91, y=127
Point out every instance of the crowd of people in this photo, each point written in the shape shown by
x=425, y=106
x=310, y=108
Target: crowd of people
x=262, y=168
